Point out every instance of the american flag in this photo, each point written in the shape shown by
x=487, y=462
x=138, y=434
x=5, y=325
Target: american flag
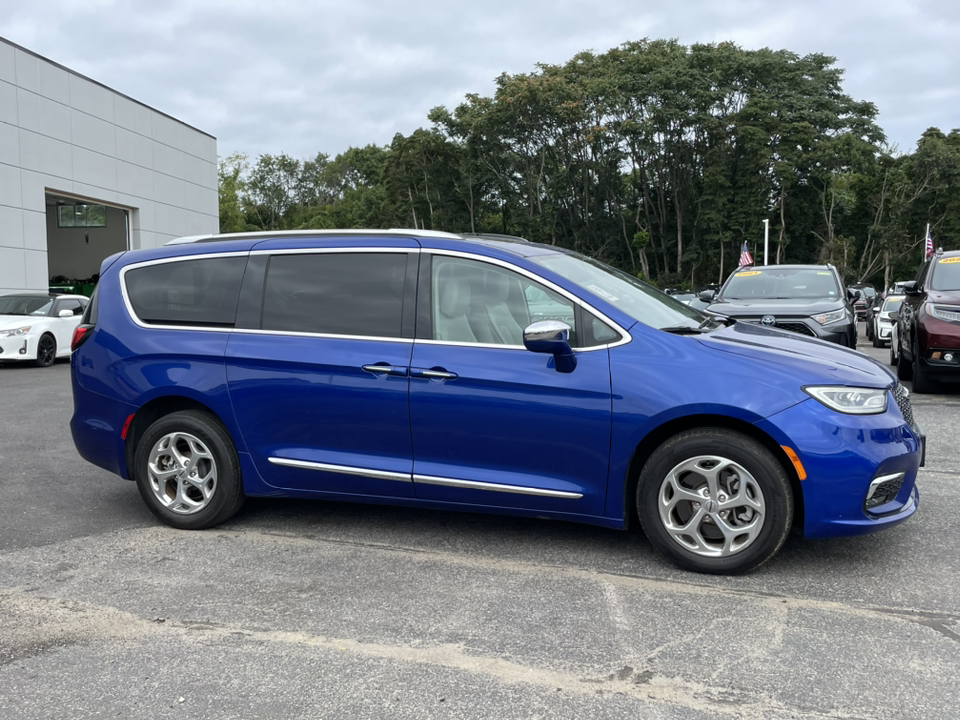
x=745, y=257
x=928, y=245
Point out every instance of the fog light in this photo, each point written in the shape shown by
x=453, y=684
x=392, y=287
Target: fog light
x=883, y=489
x=948, y=357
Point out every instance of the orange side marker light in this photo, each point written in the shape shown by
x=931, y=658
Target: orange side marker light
x=801, y=472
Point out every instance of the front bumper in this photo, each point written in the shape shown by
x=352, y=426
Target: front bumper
x=843, y=455
x=18, y=348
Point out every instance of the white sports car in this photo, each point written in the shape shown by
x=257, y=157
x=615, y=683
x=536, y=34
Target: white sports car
x=38, y=326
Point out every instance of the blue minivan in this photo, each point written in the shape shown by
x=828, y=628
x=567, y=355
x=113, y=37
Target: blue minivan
x=479, y=373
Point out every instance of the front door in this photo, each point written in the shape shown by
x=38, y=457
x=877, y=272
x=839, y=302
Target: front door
x=494, y=424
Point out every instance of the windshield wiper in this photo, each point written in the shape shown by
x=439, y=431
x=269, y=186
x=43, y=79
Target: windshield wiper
x=684, y=329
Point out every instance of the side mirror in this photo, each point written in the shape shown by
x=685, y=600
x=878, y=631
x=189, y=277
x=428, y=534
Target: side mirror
x=707, y=295
x=853, y=294
x=65, y=313
x=895, y=315
x=910, y=288
x=553, y=338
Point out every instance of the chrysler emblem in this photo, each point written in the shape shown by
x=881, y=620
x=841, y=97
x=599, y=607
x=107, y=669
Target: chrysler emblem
x=768, y=320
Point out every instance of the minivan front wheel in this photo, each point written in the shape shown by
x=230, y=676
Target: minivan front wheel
x=187, y=471
x=715, y=501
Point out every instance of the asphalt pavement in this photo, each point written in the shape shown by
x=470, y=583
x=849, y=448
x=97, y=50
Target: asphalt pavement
x=299, y=609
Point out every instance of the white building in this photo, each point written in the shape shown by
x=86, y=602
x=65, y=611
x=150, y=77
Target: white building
x=86, y=172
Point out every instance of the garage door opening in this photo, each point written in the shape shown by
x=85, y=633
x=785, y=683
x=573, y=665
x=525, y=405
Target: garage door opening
x=80, y=234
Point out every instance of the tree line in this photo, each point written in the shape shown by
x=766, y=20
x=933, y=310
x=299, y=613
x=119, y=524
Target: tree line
x=655, y=157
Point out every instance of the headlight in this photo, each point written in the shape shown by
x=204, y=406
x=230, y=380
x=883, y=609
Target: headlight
x=850, y=400
x=831, y=317
x=950, y=313
x=15, y=332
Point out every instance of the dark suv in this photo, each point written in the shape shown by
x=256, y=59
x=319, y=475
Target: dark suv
x=805, y=299
x=928, y=327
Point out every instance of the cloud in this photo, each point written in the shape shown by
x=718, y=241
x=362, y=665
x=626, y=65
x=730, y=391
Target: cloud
x=307, y=77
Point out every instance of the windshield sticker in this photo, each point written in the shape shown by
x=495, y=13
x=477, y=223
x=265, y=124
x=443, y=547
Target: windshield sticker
x=602, y=293
x=950, y=260
x=749, y=274
x=822, y=273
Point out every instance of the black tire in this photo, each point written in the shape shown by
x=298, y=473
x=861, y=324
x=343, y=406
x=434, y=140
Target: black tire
x=922, y=382
x=764, y=476
x=877, y=342
x=868, y=331
x=893, y=353
x=46, y=351
x=201, y=438
x=904, y=369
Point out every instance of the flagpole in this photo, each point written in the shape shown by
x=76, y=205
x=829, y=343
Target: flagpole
x=924, y=256
x=766, y=238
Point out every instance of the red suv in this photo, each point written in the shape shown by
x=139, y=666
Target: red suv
x=928, y=327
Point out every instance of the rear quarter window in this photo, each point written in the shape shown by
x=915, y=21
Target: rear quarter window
x=187, y=292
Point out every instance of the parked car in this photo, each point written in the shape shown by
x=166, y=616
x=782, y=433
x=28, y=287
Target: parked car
x=805, y=299
x=928, y=333
x=38, y=327
x=863, y=296
x=880, y=322
x=407, y=367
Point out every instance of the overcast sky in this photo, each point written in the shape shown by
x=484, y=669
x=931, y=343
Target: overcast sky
x=302, y=77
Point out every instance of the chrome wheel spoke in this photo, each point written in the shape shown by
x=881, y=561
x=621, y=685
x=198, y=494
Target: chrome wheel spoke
x=182, y=473
x=712, y=506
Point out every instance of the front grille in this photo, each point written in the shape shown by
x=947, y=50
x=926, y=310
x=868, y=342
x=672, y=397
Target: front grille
x=902, y=396
x=796, y=327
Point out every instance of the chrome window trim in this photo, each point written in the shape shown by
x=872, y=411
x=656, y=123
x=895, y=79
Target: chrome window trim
x=327, y=336
x=494, y=487
x=342, y=469
x=624, y=335
x=159, y=261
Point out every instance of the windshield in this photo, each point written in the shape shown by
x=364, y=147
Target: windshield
x=780, y=283
x=892, y=304
x=947, y=274
x=25, y=305
x=628, y=294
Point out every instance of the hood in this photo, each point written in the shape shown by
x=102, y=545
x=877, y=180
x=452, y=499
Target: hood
x=816, y=361
x=8, y=322
x=789, y=307
x=944, y=297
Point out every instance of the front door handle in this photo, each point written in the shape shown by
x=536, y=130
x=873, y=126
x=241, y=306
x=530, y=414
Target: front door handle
x=386, y=370
x=433, y=374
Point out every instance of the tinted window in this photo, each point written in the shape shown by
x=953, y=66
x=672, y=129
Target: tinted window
x=25, y=305
x=335, y=293
x=90, y=314
x=187, y=292
x=72, y=305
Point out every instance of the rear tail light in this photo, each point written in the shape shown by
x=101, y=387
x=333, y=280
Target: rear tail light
x=80, y=336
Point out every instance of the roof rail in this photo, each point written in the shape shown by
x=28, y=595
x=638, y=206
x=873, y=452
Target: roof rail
x=308, y=233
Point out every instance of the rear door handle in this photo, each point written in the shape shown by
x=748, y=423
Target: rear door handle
x=386, y=370
x=434, y=374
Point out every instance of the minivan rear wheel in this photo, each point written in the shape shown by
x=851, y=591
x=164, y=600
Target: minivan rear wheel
x=187, y=471
x=715, y=501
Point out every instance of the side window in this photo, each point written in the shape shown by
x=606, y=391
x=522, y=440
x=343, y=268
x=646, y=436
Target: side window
x=335, y=293
x=72, y=305
x=477, y=302
x=187, y=292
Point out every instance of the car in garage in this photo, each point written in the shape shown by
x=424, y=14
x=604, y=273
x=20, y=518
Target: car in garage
x=928, y=332
x=38, y=327
x=804, y=299
x=428, y=369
